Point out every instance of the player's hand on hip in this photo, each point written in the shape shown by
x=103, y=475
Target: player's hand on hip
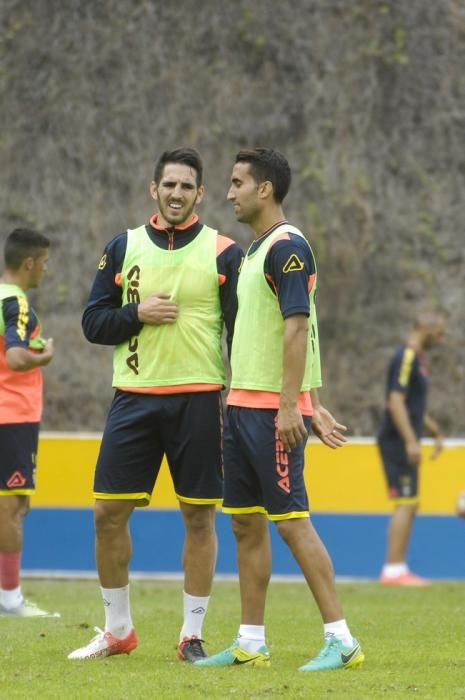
x=157, y=309
x=291, y=428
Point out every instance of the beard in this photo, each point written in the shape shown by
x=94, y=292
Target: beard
x=174, y=218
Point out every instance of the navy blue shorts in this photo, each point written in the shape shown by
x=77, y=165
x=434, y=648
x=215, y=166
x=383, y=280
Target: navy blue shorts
x=18, y=454
x=141, y=428
x=259, y=477
x=401, y=476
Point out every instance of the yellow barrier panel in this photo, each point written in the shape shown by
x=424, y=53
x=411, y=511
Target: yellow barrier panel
x=346, y=480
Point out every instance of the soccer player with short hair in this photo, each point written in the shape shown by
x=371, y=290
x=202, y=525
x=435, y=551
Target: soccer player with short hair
x=399, y=440
x=23, y=353
x=161, y=296
x=272, y=405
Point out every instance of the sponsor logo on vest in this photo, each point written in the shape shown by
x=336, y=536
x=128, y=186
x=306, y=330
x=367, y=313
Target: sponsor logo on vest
x=16, y=480
x=133, y=297
x=282, y=462
x=293, y=264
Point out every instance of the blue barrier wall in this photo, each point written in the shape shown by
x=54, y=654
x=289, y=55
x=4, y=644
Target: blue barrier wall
x=60, y=539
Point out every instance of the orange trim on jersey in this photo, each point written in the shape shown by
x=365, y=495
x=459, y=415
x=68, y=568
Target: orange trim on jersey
x=176, y=389
x=118, y=279
x=269, y=279
x=222, y=242
x=281, y=237
x=154, y=222
x=251, y=398
x=311, y=282
x=221, y=279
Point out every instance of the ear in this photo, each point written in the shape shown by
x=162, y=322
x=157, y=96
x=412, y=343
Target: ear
x=28, y=263
x=200, y=194
x=265, y=189
x=153, y=190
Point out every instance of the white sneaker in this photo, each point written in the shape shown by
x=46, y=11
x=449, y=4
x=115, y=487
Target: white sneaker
x=105, y=644
x=26, y=609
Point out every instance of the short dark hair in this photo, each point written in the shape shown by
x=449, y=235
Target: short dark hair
x=23, y=243
x=268, y=164
x=186, y=156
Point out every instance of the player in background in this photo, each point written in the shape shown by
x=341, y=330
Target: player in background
x=272, y=406
x=161, y=295
x=22, y=354
x=399, y=440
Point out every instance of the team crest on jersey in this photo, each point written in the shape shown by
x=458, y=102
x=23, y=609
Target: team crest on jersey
x=103, y=262
x=293, y=264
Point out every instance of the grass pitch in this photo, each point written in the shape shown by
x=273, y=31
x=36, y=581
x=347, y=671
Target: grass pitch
x=413, y=640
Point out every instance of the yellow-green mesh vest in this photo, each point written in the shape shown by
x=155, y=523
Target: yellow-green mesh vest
x=257, y=350
x=12, y=290
x=188, y=351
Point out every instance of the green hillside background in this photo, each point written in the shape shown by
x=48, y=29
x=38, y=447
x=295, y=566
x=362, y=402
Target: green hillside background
x=366, y=99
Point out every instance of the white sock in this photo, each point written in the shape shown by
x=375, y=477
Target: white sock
x=117, y=614
x=394, y=570
x=340, y=630
x=251, y=637
x=195, y=608
x=11, y=599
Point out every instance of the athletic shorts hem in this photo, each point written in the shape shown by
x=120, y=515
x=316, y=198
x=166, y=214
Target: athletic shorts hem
x=289, y=516
x=17, y=492
x=200, y=501
x=407, y=500
x=122, y=496
x=244, y=511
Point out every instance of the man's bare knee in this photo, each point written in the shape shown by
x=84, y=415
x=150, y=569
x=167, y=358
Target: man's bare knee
x=249, y=528
x=294, y=528
x=199, y=519
x=111, y=517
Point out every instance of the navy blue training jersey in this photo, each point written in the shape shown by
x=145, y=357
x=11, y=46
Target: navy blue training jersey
x=290, y=282
x=107, y=322
x=407, y=374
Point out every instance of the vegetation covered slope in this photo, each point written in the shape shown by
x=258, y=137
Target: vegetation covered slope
x=365, y=97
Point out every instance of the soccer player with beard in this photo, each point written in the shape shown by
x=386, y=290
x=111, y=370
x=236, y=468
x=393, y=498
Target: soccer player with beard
x=272, y=405
x=161, y=296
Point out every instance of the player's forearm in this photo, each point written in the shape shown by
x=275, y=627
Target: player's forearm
x=294, y=357
x=315, y=398
x=110, y=326
x=400, y=417
x=431, y=427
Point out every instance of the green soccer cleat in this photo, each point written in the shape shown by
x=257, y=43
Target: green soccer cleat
x=235, y=656
x=335, y=655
